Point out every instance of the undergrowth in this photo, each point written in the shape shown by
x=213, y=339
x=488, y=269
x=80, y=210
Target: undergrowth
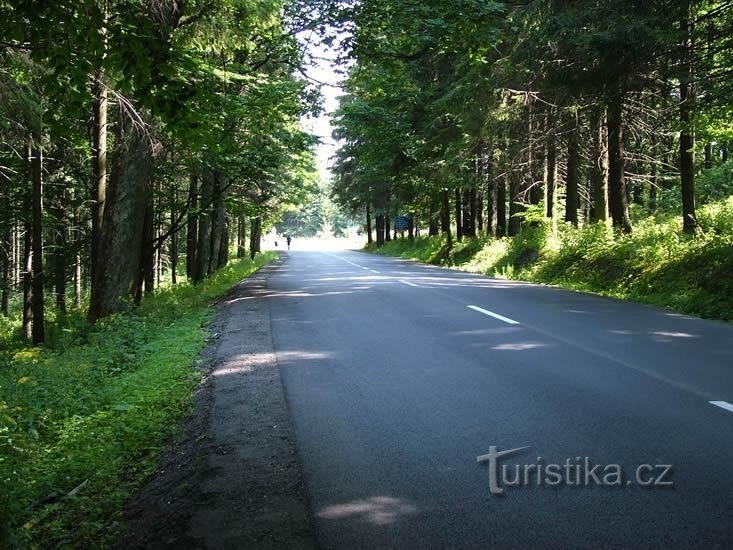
x=656, y=264
x=82, y=424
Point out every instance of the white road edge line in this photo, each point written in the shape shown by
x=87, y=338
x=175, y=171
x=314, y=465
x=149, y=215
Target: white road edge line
x=355, y=265
x=408, y=283
x=494, y=315
x=723, y=405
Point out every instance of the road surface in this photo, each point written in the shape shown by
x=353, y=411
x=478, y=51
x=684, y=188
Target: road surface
x=398, y=376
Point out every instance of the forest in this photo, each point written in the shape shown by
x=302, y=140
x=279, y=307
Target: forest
x=138, y=139
x=147, y=145
x=576, y=143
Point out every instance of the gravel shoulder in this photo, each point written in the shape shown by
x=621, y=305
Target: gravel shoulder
x=232, y=479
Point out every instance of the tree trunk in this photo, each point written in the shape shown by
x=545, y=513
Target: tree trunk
x=173, y=251
x=470, y=216
x=516, y=202
x=433, y=220
x=501, y=222
x=203, y=239
x=224, y=244
x=459, y=216
x=619, y=205
x=121, y=252
x=77, y=259
x=599, y=167
x=7, y=260
x=192, y=226
x=572, y=197
x=254, y=236
x=652, y=203
x=708, y=155
x=218, y=222
x=538, y=165
x=146, y=275
x=59, y=264
x=99, y=171
x=37, y=229
x=551, y=156
x=445, y=222
x=369, y=222
x=687, y=134
x=490, y=193
x=241, y=237
x=27, y=282
x=380, y=230
x=480, y=212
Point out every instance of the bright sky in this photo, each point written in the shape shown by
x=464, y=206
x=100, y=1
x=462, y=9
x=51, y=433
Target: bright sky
x=324, y=71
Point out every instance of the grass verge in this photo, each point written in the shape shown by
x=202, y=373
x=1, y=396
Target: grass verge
x=82, y=425
x=656, y=264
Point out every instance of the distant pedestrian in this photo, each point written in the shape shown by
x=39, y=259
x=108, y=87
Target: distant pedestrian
x=288, y=241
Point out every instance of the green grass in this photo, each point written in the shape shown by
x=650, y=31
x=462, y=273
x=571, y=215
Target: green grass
x=656, y=264
x=95, y=412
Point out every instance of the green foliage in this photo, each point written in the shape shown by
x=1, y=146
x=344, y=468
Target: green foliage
x=656, y=264
x=94, y=412
x=716, y=183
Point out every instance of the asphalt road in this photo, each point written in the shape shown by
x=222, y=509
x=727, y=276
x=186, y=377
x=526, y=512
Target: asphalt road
x=395, y=387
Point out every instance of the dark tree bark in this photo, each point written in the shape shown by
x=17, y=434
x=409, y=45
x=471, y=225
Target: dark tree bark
x=433, y=220
x=369, y=222
x=490, y=191
x=99, y=171
x=599, y=167
x=480, y=211
x=241, y=237
x=687, y=134
x=37, y=239
x=7, y=247
x=77, y=259
x=572, y=198
x=59, y=262
x=380, y=230
x=173, y=250
x=551, y=160
x=445, y=221
x=537, y=167
x=192, y=226
x=459, y=217
x=411, y=227
x=516, y=205
x=121, y=251
x=7, y=251
x=27, y=282
x=472, y=203
x=501, y=221
x=255, y=234
x=224, y=243
x=465, y=212
x=146, y=275
x=218, y=222
x=653, y=183
x=618, y=201
x=203, y=239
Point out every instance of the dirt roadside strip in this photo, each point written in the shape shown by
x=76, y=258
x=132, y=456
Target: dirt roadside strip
x=233, y=479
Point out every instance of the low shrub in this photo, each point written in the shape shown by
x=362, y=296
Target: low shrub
x=89, y=417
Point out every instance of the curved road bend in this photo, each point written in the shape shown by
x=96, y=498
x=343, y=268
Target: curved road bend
x=398, y=376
